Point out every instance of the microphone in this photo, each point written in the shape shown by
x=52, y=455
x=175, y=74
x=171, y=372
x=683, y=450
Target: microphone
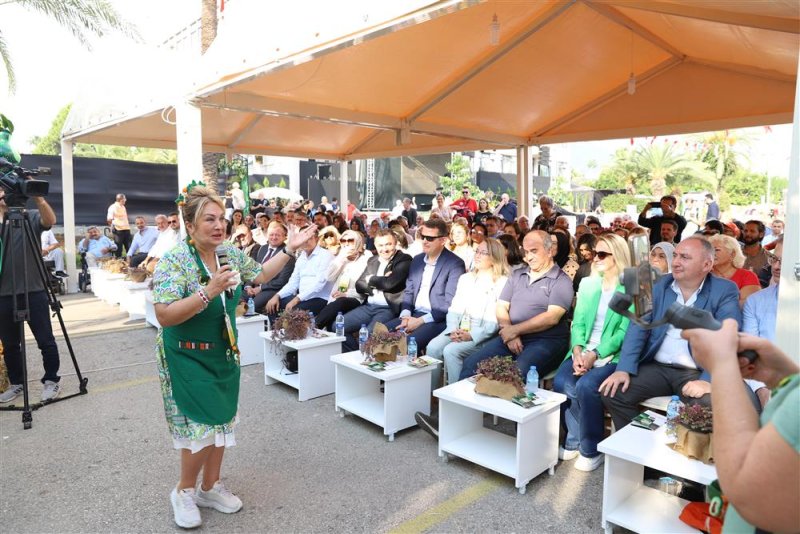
x=222, y=256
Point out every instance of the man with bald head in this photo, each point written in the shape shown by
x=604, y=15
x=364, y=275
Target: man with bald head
x=658, y=362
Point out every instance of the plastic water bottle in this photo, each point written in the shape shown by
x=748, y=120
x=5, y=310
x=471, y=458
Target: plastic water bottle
x=251, y=306
x=672, y=417
x=311, y=325
x=412, y=348
x=363, y=335
x=532, y=383
x=340, y=324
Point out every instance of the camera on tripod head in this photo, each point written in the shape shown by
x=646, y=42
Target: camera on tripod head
x=19, y=185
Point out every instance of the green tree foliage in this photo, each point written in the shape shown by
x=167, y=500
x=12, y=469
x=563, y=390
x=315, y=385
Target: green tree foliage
x=745, y=188
x=50, y=144
x=82, y=18
x=460, y=177
x=720, y=152
x=668, y=168
x=622, y=174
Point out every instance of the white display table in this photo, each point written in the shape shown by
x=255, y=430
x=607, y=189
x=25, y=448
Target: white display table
x=150, y=311
x=626, y=501
x=251, y=347
x=133, y=298
x=407, y=390
x=314, y=377
x=461, y=432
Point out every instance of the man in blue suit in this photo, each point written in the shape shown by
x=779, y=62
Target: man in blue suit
x=431, y=285
x=658, y=362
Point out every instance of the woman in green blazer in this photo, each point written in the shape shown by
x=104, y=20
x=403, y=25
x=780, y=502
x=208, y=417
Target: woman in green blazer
x=597, y=334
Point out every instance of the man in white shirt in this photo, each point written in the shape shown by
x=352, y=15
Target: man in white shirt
x=143, y=241
x=52, y=251
x=168, y=230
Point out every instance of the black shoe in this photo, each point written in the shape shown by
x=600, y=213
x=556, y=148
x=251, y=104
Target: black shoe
x=428, y=423
x=62, y=274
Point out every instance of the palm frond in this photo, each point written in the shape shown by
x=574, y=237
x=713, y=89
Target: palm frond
x=6, y=56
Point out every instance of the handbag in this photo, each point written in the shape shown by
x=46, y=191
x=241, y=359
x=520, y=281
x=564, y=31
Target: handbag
x=290, y=361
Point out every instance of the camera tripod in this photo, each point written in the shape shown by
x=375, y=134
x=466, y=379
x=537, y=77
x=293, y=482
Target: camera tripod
x=17, y=223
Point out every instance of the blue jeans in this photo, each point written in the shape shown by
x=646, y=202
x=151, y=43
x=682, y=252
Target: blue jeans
x=582, y=414
x=543, y=352
x=39, y=324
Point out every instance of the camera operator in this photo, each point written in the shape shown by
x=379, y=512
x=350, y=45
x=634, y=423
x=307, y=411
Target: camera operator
x=39, y=320
x=667, y=204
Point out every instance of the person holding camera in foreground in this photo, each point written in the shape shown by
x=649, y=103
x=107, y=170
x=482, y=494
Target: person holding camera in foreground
x=38, y=304
x=757, y=459
x=195, y=296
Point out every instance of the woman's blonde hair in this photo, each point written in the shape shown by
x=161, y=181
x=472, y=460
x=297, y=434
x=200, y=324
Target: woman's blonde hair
x=325, y=231
x=497, y=253
x=196, y=201
x=356, y=236
x=619, y=249
x=729, y=243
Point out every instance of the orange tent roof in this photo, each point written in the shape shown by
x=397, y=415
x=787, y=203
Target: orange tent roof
x=431, y=80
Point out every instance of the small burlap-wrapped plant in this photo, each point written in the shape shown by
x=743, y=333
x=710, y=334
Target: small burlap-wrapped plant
x=499, y=376
x=385, y=346
x=695, y=433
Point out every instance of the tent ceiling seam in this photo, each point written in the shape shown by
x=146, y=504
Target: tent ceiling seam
x=246, y=130
x=537, y=24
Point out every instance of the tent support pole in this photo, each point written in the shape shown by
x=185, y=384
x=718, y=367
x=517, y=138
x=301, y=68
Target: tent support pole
x=189, y=138
x=523, y=178
x=343, y=186
x=68, y=203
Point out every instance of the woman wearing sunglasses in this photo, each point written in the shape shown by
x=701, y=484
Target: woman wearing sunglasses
x=597, y=334
x=344, y=270
x=329, y=239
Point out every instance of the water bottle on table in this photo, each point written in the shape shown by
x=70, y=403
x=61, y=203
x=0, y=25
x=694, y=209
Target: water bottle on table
x=412, y=348
x=363, y=335
x=340, y=324
x=312, y=324
x=532, y=383
x=251, y=306
x=673, y=408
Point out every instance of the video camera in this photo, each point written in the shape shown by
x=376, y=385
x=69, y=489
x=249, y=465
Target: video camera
x=19, y=185
x=638, y=282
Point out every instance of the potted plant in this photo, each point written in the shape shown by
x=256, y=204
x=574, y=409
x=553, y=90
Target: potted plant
x=694, y=433
x=384, y=345
x=290, y=325
x=499, y=376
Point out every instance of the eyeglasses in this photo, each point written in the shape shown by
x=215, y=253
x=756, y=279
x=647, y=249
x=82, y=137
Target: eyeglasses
x=602, y=254
x=482, y=252
x=173, y=222
x=476, y=232
x=773, y=259
x=346, y=241
x=328, y=236
x=465, y=192
x=430, y=238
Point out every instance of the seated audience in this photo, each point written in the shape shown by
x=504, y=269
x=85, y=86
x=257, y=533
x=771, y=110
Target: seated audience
x=461, y=243
x=430, y=287
x=441, y=209
x=243, y=240
x=344, y=271
x=761, y=308
x=493, y=227
x=506, y=208
x=512, y=229
x=329, y=239
x=382, y=284
x=96, y=246
x=308, y=288
x=531, y=313
x=142, y=242
x=262, y=293
x=477, y=234
x=561, y=250
x=169, y=229
x=524, y=226
x=260, y=232
x=586, y=244
x=728, y=262
x=52, y=251
x=514, y=256
x=756, y=258
x=547, y=219
x=597, y=334
x=658, y=362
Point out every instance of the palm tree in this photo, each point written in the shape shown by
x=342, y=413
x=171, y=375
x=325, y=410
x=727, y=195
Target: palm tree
x=664, y=165
x=81, y=17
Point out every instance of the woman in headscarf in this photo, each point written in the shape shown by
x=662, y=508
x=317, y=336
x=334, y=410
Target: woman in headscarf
x=661, y=256
x=345, y=269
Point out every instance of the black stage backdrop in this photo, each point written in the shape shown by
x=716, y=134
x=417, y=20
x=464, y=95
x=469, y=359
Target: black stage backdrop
x=149, y=187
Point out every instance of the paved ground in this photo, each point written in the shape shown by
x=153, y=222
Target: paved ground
x=103, y=462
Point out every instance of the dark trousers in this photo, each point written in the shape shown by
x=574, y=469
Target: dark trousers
x=367, y=314
x=261, y=299
x=138, y=258
x=122, y=238
x=39, y=324
x=543, y=352
x=313, y=305
x=582, y=414
x=423, y=334
x=327, y=316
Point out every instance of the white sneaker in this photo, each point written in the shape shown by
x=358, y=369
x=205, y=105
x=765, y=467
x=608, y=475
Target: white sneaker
x=218, y=498
x=185, y=509
x=51, y=390
x=589, y=464
x=564, y=454
x=13, y=391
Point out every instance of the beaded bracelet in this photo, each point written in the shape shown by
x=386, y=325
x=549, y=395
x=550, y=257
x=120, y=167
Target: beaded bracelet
x=204, y=298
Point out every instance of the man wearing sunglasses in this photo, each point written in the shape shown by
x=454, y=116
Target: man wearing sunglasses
x=168, y=230
x=465, y=206
x=431, y=285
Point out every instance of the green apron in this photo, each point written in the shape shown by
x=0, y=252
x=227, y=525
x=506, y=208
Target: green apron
x=203, y=368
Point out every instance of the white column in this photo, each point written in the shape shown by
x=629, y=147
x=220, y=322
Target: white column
x=189, y=137
x=294, y=177
x=343, y=186
x=523, y=179
x=68, y=206
x=786, y=334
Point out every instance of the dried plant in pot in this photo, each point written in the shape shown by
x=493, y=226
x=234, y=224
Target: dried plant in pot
x=499, y=376
x=291, y=325
x=137, y=275
x=694, y=430
x=384, y=345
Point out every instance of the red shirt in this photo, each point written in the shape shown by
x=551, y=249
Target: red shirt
x=462, y=203
x=744, y=277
